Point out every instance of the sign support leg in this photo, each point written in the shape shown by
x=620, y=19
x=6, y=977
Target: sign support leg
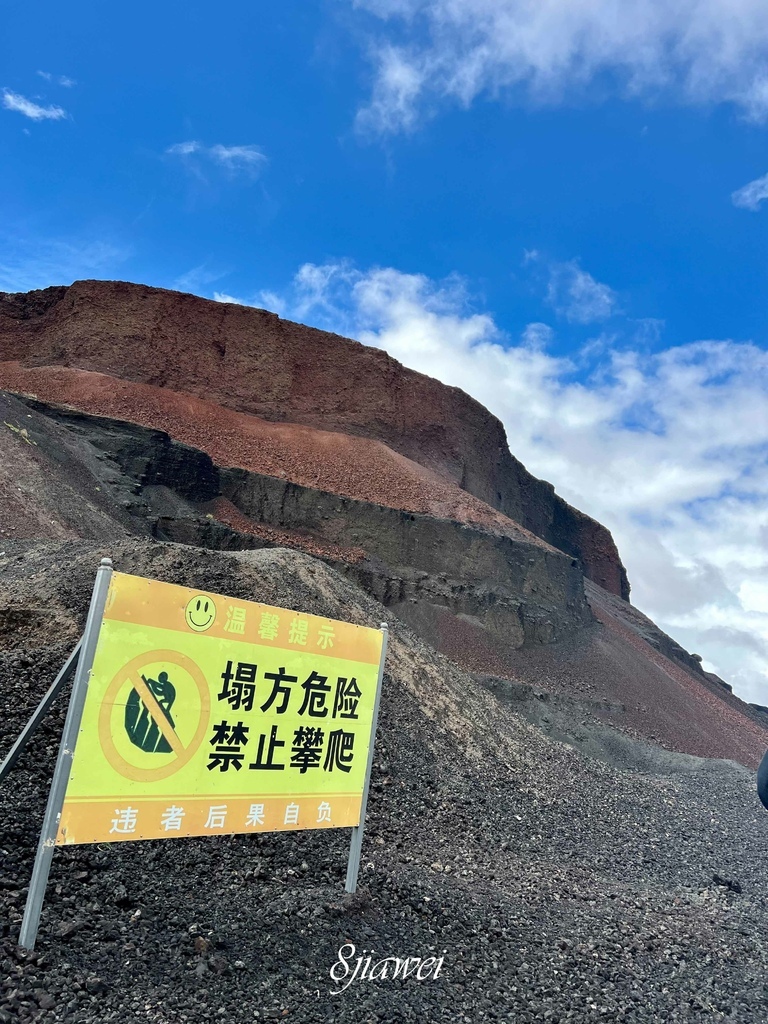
x=60, y=780
x=356, y=843
x=40, y=712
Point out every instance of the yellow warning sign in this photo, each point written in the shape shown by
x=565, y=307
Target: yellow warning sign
x=210, y=715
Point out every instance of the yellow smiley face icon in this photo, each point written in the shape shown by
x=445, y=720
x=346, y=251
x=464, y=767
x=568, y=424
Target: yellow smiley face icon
x=200, y=613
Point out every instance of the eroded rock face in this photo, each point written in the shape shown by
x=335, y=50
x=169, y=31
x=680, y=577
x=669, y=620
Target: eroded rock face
x=517, y=589
x=493, y=597
x=252, y=361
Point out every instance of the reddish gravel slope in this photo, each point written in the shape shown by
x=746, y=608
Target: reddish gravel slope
x=615, y=673
x=340, y=463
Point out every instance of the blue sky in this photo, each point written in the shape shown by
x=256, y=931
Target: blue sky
x=542, y=203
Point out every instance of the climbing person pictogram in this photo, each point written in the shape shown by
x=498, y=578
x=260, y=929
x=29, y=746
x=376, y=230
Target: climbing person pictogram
x=146, y=719
x=140, y=714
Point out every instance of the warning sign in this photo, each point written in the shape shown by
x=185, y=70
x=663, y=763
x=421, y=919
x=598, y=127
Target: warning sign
x=206, y=714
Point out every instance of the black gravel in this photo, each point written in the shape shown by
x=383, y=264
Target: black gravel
x=561, y=887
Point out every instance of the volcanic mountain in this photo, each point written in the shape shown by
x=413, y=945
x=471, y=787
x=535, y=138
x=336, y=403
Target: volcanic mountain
x=130, y=411
x=525, y=821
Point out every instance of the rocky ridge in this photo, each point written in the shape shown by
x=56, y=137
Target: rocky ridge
x=562, y=801
x=491, y=596
x=250, y=361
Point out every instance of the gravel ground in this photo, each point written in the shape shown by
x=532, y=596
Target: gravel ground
x=561, y=887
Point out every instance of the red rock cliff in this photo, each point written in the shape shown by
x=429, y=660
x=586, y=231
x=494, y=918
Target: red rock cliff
x=252, y=361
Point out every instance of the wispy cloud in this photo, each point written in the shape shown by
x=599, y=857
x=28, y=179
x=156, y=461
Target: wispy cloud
x=260, y=300
x=22, y=105
x=399, y=84
x=57, y=79
x=196, y=279
x=237, y=157
x=184, y=148
x=669, y=448
x=29, y=262
x=700, y=51
x=574, y=294
x=749, y=197
x=234, y=159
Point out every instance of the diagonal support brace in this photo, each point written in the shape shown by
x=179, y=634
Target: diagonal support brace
x=40, y=712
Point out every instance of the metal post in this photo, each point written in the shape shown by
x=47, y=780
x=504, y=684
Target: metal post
x=356, y=843
x=60, y=780
x=40, y=712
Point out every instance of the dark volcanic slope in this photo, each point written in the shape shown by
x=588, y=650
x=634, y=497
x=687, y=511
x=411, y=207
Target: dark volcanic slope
x=632, y=684
x=339, y=463
x=252, y=361
x=560, y=888
x=569, y=872
x=492, y=597
x=621, y=669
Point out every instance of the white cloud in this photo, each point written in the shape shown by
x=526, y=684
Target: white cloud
x=576, y=295
x=749, y=197
x=197, y=278
x=261, y=300
x=669, y=448
x=537, y=336
x=394, y=103
x=58, y=79
x=697, y=51
x=27, y=263
x=184, y=148
x=19, y=103
x=247, y=159
x=237, y=157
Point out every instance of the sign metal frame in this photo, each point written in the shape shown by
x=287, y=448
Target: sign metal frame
x=80, y=663
x=356, y=843
x=41, y=711
x=46, y=844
